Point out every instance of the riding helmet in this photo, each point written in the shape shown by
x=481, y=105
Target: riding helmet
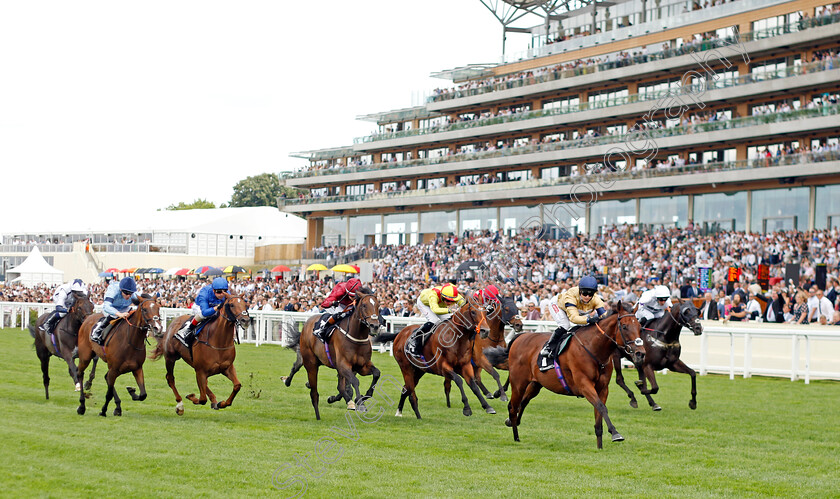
x=588, y=283
x=491, y=292
x=352, y=285
x=449, y=292
x=128, y=285
x=220, y=283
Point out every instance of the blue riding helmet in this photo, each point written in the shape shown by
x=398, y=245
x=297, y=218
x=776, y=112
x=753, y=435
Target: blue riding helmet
x=220, y=283
x=128, y=285
x=588, y=283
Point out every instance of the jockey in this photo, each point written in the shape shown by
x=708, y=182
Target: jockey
x=434, y=304
x=207, y=303
x=63, y=299
x=118, y=298
x=489, y=293
x=653, y=304
x=571, y=306
x=339, y=304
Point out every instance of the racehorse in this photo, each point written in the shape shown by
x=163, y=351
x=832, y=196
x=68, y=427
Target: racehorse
x=65, y=332
x=500, y=316
x=662, y=347
x=212, y=352
x=583, y=369
x=449, y=350
x=124, y=350
x=348, y=351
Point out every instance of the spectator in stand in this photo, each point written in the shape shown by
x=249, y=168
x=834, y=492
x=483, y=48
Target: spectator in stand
x=533, y=313
x=737, y=312
x=709, y=309
x=800, y=309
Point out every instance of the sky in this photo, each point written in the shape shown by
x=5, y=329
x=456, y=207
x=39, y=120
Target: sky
x=139, y=105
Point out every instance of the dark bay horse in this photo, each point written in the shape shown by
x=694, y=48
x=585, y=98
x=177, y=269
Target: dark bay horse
x=349, y=352
x=582, y=370
x=447, y=353
x=65, y=332
x=662, y=351
x=212, y=352
x=498, y=316
x=124, y=350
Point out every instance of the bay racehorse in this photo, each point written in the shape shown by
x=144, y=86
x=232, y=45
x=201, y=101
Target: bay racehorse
x=662, y=351
x=348, y=351
x=498, y=316
x=449, y=354
x=213, y=352
x=583, y=369
x=124, y=350
x=66, y=332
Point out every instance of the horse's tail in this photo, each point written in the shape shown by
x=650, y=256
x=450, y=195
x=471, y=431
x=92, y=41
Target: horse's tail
x=33, y=333
x=159, y=349
x=385, y=337
x=291, y=335
x=497, y=355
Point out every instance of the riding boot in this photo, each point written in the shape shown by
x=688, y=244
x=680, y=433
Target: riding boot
x=185, y=335
x=96, y=333
x=321, y=332
x=50, y=323
x=643, y=321
x=414, y=345
x=550, y=348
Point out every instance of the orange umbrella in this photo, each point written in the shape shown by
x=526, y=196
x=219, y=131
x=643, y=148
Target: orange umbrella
x=281, y=268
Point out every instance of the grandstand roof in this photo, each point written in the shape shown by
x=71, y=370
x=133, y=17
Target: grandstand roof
x=264, y=221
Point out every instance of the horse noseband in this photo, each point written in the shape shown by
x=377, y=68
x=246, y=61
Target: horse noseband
x=639, y=342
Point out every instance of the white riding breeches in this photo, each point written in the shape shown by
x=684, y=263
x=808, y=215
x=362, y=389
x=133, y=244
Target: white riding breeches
x=559, y=316
x=430, y=316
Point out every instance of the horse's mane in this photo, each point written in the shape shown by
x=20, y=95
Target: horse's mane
x=365, y=290
x=146, y=296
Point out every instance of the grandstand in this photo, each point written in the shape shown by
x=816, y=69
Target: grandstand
x=717, y=115
x=165, y=239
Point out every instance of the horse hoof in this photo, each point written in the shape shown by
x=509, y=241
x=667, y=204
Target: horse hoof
x=87, y=395
x=634, y=404
x=117, y=412
x=467, y=411
x=307, y=384
x=692, y=405
x=102, y=413
x=332, y=399
x=503, y=398
x=360, y=407
x=490, y=410
x=179, y=408
x=508, y=423
x=398, y=414
x=489, y=396
x=351, y=406
x=80, y=411
x=656, y=407
x=214, y=406
x=617, y=437
x=78, y=387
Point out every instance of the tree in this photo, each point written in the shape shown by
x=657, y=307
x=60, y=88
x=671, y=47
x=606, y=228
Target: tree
x=198, y=204
x=259, y=190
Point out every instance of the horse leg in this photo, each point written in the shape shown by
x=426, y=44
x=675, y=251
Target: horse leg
x=211, y=397
x=287, y=380
x=80, y=375
x=341, y=387
x=619, y=380
x=141, y=384
x=230, y=373
x=680, y=367
x=599, y=402
x=480, y=385
x=467, y=372
x=117, y=400
x=71, y=367
x=110, y=378
x=44, y=356
x=447, y=387
x=458, y=381
x=650, y=375
x=376, y=373
x=170, y=379
x=517, y=391
x=411, y=379
x=500, y=394
x=531, y=391
x=92, y=374
x=201, y=380
x=313, y=389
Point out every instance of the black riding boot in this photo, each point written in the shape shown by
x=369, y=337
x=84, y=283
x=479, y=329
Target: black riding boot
x=186, y=334
x=96, y=333
x=414, y=346
x=50, y=323
x=550, y=349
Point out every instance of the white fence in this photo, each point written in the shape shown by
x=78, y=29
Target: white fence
x=733, y=348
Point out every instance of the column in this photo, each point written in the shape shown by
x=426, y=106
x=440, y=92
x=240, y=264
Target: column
x=748, y=222
x=812, y=206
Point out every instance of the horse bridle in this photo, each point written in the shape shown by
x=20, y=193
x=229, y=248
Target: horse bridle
x=679, y=320
x=621, y=327
x=238, y=318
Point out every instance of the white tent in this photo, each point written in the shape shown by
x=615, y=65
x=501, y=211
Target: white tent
x=35, y=270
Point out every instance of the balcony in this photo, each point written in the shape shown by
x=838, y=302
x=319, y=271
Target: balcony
x=797, y=165
x=776, y=124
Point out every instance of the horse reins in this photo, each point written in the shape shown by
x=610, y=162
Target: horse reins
x=626, y=348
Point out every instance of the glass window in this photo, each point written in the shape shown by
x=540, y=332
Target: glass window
x=438, y=222
x=779, y=209
x=478, y=219
x=550, y=172
x=365, y=230
x=401, y=228
x=720, y=211
x=608, y=213
x=515, y=218
x=827, y=207
x=335, y=231
x=664, y=212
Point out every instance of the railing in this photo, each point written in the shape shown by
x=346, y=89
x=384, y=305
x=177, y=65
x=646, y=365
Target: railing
x=334, y=259
x=43, y=247
x=692, y=90
x=768, y=349
x=664, y=54
x=588, y=141
x=723, y=166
